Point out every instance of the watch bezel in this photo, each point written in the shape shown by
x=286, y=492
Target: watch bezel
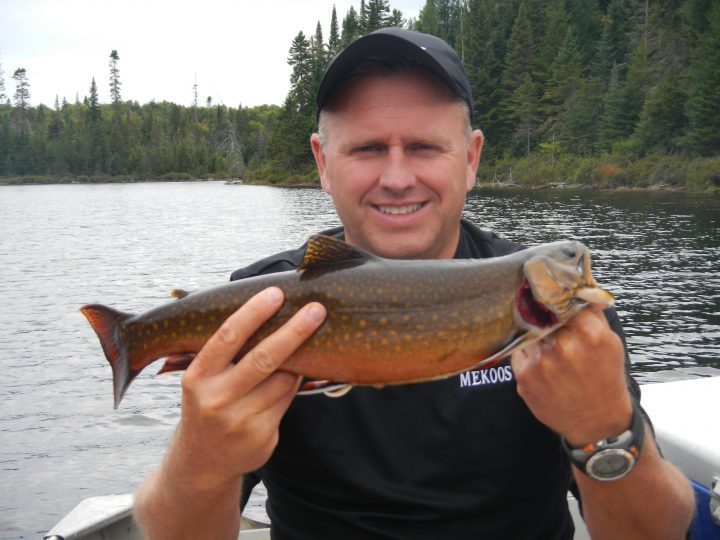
x=602, y=455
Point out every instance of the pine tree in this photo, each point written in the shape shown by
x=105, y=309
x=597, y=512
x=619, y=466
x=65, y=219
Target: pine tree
x=333, y=46
x=428, y=20
x=662, y=118
x=520, y=58
x=565, y=77
x=396, y=19
x=703, y=104
x=3, y=95
x=363, y=17
x=483, y=45
x=94, y=113
x=114, y=79
x=585, y=18
x=377, y=15
x=351, y=27
x=519, y=63
x=22, y=89
x=524, y=117
x=556, y=25
x=303, y=70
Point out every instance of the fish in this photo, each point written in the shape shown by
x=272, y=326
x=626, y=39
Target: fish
x=388, y=321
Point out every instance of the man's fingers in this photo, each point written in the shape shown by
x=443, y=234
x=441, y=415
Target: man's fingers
x=269, y=354
x=222, y=347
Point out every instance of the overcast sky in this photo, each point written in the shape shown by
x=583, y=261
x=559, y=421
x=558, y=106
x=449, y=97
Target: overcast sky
x=237, y=49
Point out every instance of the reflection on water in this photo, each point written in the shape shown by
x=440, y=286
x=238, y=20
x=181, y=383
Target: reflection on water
x=657, y=253
x=129, y=245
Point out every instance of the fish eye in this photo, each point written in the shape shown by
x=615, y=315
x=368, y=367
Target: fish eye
x=569, y=252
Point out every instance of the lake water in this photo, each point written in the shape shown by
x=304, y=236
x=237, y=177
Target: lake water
x=128, y=245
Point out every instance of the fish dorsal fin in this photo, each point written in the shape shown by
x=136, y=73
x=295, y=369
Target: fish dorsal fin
x=179, y=294
x=327, y=254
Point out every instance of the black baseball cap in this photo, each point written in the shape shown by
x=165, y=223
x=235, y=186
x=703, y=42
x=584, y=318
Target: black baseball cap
x=429, y=52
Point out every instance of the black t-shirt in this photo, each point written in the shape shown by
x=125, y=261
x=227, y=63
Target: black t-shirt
x=458, y=458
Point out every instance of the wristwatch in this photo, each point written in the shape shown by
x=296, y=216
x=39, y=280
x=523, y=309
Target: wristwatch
x=614, y=457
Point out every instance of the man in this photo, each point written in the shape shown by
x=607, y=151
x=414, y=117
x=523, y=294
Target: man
x=396, y=153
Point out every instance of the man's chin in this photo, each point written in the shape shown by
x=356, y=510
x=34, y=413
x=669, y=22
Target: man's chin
x=401, y=246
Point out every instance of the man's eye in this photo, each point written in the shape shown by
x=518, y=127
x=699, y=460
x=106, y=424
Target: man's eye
x=369, y=148
x=420, y=147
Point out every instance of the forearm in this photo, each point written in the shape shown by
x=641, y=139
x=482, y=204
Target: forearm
x=168, y=505
x=654, y=500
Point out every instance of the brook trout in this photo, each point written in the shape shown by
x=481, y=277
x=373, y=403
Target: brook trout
x=388, y=322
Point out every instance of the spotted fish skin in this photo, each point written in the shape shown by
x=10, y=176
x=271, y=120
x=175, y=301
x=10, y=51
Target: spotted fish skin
x=388, y=321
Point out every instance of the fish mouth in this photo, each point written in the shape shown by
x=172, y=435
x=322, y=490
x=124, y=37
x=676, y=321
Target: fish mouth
x=532, y=311
x=399, y=210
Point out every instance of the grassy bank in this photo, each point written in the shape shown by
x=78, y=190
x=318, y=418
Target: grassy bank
x=651, y=172
x=601, y=172
x=105, y=179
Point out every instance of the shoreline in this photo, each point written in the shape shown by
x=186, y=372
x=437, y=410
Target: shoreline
x=47, y=181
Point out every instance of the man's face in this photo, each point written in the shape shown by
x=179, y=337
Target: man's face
x=398, y=163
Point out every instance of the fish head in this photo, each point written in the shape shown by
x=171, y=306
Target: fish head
x=560, y=279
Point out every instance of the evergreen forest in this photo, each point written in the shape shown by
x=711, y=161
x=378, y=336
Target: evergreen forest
x=592, y=93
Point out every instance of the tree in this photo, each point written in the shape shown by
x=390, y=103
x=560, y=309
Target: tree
x=396, y=19
x=22, y=89
x=483, y=45
x=703, y=104
x=351, y=27
x=556, y=25
x=114, y=79
x=519, y=64
x=428, y=20
x=524, y=117
x=303, y=69
x=94, y=114
x=333, y=46
x=662, y=118
x=564, y=78
x=3, y=95
x=377, y=15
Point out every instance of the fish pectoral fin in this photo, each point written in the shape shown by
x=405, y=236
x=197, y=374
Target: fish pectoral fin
x=176, y=362
x=179, y=293
x=329, y=388
x=516, y=344
x=339, y=391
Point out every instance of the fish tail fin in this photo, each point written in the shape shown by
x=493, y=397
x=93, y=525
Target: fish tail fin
x=106, y=321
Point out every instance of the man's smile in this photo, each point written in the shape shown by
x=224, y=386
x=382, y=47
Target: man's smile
x=400, y=210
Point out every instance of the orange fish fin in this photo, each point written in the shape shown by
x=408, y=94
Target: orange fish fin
x=327, y=254
x=106, y=322
x=176, y=362
x=179, y=293
x=520, y=342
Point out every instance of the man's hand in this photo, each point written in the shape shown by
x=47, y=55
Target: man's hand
x=574, y=380
x=231, y=412
x=229, y=423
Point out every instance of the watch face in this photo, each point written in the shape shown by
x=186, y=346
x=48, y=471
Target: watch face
x=610, y=464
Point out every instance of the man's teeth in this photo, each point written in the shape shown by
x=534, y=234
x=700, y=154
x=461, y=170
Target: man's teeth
x=400, y=209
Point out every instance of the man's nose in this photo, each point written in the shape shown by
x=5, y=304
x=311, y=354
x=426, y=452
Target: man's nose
x=397, y=174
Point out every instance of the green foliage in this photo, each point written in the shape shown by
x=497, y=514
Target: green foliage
x=703, y=104
x=598, y=93
x=142, y=142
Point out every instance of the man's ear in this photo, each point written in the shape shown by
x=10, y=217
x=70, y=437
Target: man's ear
x=474, y=149
x=319, y=156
